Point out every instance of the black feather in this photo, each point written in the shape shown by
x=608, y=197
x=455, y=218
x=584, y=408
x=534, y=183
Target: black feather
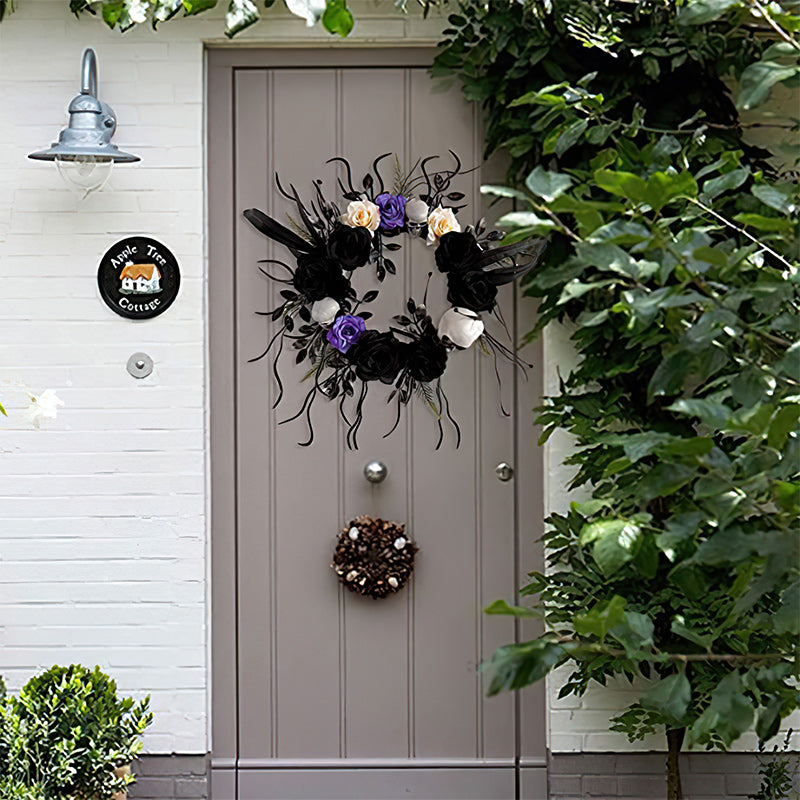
x=277, y=232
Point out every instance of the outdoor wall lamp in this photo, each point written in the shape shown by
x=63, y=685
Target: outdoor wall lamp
x=83, y=153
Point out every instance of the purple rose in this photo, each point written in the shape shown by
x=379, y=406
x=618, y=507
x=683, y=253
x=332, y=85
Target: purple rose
x=345, y=332
x=393, y=210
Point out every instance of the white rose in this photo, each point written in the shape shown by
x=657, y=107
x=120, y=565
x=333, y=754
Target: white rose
x=43, y=406
x=324, y=311
x=362, y=214
x=441, y=221
x=461, y=326
x=137, y=11
x=417, y=211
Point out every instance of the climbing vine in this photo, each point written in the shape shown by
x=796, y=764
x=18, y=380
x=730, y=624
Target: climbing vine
x=674, y=259
x=334, y=15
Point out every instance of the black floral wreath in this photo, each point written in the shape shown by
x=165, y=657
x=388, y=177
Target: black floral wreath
x=322, y=316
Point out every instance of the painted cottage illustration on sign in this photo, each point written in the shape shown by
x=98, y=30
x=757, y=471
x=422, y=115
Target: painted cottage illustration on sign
x=140, y=279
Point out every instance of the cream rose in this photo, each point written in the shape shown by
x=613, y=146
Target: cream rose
x=441, y=221
x=417, y=211
x=461, y=326
x=324, y=311
x=362, y=214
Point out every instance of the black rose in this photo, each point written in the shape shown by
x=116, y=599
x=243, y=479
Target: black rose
x=377, y=356
x=317, y=276
x=455, y=251
x=426, y=358
x=471, y=289
x=350, y=246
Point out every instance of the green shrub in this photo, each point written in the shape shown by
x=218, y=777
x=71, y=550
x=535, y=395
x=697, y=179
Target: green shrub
x=67, y=732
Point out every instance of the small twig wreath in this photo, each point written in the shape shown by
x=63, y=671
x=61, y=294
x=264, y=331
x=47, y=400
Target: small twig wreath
x=374, y=557
x=321, y=313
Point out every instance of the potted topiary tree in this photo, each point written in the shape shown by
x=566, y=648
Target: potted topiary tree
x=68, y=735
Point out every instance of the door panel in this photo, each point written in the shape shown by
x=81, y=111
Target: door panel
x=326, y=682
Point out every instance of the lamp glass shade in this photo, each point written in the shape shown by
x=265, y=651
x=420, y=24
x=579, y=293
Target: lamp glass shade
x=84, y=174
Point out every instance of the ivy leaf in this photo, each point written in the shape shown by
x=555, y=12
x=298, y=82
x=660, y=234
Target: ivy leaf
x=670, y=697
x=547, y=184
x=784, y=422
x=192, y=7
x=787, y=618
x=663, y=187
x=337, y=18
x=780, y=197
x=758, y=79
x=700, y=12
x=622, y=184
x=724, y=183
x=112, y=11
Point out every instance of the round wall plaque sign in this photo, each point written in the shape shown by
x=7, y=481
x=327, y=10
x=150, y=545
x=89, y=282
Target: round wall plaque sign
x=138, y=278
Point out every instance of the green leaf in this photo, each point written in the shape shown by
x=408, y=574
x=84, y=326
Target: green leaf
x=679, y=628
x=749, y=386
x=569, y=136
x=729, y=714
x=783, y=423
x=529, y=219
x=758, y=79
x=502, y=607
x=663, y=480
x=769, y=719
x=112, y=11
x=634, y=632
x=700, y=12
x=622, y=184
x=670, y=697
x=787, y=618
x=547, y=184
x=662, y=187
x=515, y=666
x=724, y=183
x=337, y=18
x=503, y=191
x=790, y=363
x=597, y=530
x=781, y=197
x=192, y=7
x=2, y=410
x=713, y=414
x=769, y=224
x=601, y=618
x=615, y=549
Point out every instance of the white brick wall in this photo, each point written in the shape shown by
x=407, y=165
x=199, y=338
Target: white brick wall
x=103, y=540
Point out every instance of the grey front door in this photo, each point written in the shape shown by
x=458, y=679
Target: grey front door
x=319, y=693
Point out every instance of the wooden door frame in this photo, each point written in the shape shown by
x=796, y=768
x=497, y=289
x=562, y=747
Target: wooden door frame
x=221, y=66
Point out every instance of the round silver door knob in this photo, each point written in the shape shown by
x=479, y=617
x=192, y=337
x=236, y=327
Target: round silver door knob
x=376, y=472
x=504, y=472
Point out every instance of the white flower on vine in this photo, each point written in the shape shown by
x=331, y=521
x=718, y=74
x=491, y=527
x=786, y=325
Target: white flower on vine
x=310, y=10
x=240, y=14
x=43, y=406
x=165, y=8
x=137, y=10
